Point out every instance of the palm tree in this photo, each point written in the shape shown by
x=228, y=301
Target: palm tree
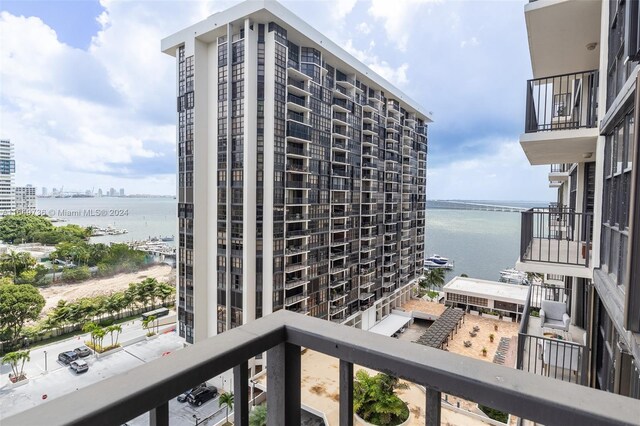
x=432, y=278
x=98, y=335
x=15, y=358
x=226, y=400
x=115, y=328
x=90, y=328
x=148, y=322
x=258, y=417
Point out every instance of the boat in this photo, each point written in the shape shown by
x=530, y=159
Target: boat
x=513, y=276
x=166, y=238
x=431, y=263
x=438, y=259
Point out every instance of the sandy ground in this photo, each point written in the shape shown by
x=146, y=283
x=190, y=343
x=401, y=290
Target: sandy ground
x=98, y=286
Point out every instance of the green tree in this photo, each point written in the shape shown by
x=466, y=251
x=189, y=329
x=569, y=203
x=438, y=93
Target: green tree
x=226, y=400
x=375, y=400
x=15, y=263
x=91, y=328
x=258, y=416
x=117, y=329
x=432, y=278
x=147, y=323
x=17, y=360
x=22, y=227
x=18, y=304
x=80, y=273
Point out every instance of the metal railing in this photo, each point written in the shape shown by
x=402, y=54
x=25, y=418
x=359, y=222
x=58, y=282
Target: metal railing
x=556, y=236
x=298, y=100
x=560, y=168
x=298, y=130
x=562, y=102
x=149, y=388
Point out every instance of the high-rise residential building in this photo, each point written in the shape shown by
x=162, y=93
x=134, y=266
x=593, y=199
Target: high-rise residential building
x=25, y=199
x=7, y=176
x=99, y=192
x=112, y=192
x=581, y=108
x=122, y=192
x=45, y=192
x=301, y=178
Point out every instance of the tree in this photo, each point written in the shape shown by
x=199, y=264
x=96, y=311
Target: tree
x=15, y=263
x=20, y=228
x=148, y=323
x=258, y=417
x=375, y=400
x=117, y=329
x=432, y=278
x=91, y=328
x=226, y=400
x=18, y=303
x=14, y=359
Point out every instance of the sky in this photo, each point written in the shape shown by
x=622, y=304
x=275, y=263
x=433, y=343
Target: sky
x=89, y=100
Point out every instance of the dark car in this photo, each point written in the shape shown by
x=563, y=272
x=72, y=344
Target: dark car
x=202, y=395
x=183, y=396
x=67, y=357
x=83, y=351
x=79, y=366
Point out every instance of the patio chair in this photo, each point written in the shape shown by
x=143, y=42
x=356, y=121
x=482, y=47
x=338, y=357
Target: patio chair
x=467, y=343
x=554, y=315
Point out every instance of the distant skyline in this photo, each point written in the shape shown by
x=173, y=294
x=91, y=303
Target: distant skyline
x=103, y=113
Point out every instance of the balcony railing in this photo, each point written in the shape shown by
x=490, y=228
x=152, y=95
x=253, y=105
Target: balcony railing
x=560, y=168
x=298, y=130
x=562, y=102
x=556, y=236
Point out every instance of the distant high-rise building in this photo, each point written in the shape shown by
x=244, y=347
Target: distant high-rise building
x=44, y=191
x=112, y=192
x=25, y=199
x=309, y=167
x=7, y=176
x=122, y=192
x=99, y=192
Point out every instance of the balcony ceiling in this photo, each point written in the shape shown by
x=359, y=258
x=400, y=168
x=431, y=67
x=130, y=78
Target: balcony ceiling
x=560, y=146
x=558, y=33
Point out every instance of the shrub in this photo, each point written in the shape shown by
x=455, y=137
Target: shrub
x=375, y=400
x=494, y=414
x=76, y=274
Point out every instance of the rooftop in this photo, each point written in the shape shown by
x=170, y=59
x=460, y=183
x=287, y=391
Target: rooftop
x=489, y=289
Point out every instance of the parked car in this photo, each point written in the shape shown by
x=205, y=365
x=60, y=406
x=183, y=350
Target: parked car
x=67, y=357
x=183, y=396
x=82, y=351
x=202, y=395
x=79, y=366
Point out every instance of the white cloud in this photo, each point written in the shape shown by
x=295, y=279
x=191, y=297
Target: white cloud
x=473, y=41
x=364, y=28
x=342, y=8
x=502, y=173
x=398, y=17
x=396, y=75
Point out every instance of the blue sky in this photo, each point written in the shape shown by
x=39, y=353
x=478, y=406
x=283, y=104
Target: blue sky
x=88, y=99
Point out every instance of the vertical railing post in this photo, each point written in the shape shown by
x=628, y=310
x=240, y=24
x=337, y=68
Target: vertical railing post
x=434, y=405
x=241, y=394
x=346, y=393
x=283, y=385
x=159, y=416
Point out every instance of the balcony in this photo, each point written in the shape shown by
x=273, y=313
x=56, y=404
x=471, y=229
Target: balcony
x=559, y=354
x=297, y=103
x=559, y=32
x=559, y=172
x=561, y=118
x=298, y=131
x=150, y=387
x=555, y=241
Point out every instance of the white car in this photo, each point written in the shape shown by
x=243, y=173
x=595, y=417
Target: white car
x=79, y=366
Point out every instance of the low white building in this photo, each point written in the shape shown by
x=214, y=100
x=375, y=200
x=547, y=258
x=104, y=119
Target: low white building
x=25, y=199
x=475, y=294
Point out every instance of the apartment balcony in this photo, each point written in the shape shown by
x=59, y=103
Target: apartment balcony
x=342, y=105
x=559, y=172
x=298, y=132
x=297, y=217
x=149, y=387
x=335, y=310
x=555, y=241
x=297, y=168
x=297, y=151
x=292, y=300
x=295, y=283
x=557, y=353
x=561, y=118
x=297, y=103
x=561, y=34
x=333, y=284
x=297, y=87
x=297, y=233
x=293, y=267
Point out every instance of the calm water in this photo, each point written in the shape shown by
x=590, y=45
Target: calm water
x=481, y=243
x=142, y=217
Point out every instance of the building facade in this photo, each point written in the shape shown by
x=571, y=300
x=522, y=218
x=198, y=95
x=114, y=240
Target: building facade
x=582, y=105
x=301, y=174
x=7, y=177
x=25, y=199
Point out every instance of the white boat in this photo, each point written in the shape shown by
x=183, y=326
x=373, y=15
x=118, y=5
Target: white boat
x=437, y=259
x=430, y=264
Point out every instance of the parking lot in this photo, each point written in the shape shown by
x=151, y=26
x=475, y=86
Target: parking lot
x=58, y=379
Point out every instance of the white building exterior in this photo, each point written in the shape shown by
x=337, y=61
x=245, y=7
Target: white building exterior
x=7, y=177
x=302, y=174
x=25, y=199
x=581, y=110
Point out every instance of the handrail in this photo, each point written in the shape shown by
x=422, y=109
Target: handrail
x=148, y=388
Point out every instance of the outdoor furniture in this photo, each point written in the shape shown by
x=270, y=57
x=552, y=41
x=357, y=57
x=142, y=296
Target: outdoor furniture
x=467, y=343
x=554, y=315
x=476, y=328
x=473, y=333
